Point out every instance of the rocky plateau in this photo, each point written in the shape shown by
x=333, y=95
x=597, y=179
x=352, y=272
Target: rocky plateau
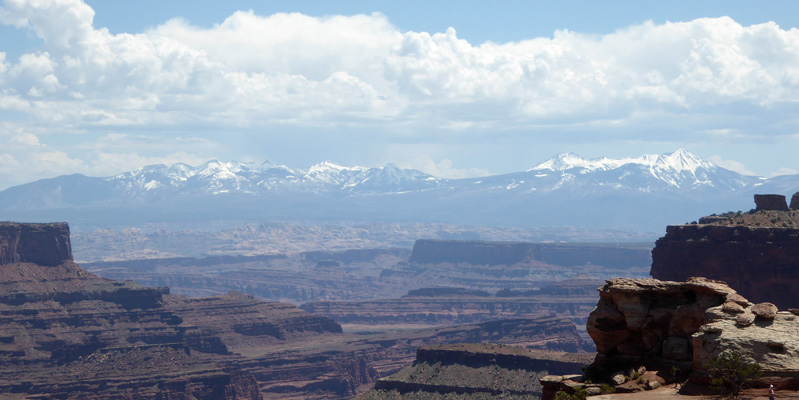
x=67, y=333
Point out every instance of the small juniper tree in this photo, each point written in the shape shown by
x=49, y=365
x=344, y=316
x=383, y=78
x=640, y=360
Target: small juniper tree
x=730, y=373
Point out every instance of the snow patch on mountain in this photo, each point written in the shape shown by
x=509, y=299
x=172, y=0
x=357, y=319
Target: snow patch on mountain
x=679, y=161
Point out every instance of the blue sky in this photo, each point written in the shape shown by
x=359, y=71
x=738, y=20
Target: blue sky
x=103, y=87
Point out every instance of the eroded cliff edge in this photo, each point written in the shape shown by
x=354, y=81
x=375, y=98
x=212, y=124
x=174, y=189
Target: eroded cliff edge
x=666, y=326
x=755, y=252
x=66, y=333
x=42, y=244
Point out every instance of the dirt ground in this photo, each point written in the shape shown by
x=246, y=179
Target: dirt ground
x=664, y=393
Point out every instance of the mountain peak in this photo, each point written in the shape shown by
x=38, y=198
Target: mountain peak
x=561, y=162
x=325, y=166
x=679, y=161
x=682, y=160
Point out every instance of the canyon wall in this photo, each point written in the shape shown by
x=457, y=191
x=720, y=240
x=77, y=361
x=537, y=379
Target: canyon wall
x=453, y=309
x=67, y=333
x=508, y=253
x=475, y=371
x=42, y=244
x=761, y=263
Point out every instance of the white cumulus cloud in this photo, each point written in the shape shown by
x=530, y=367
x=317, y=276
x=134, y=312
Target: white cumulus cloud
x=254, y=70
x=259, y=73
x=731, y=165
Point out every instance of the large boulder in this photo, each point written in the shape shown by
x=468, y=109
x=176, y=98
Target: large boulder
x=688, y=324
x=647, y=319
x=771, y=343
x=765, y=310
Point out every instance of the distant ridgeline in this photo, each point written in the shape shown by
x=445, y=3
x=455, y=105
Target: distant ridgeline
x=508, y=253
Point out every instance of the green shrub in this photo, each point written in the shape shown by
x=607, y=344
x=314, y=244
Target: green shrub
x=607, y=389
x=730, y=373
x=579, y=394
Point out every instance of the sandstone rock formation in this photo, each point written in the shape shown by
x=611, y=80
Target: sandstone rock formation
x=472, y=252
x=770, y=340
x=508, y=253
x=42, y=244
x=647, y=321
x=456, y=309
x=775, y=202
x=755, y=253
x=484, y=371
x=660, y=324
x=67, y=333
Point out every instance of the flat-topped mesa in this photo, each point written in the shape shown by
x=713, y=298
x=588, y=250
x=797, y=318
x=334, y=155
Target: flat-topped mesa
x=756, y=252
x=774, y=202
x=472, y=252
x=479, y=252
x=475, y=371
x=42, y=244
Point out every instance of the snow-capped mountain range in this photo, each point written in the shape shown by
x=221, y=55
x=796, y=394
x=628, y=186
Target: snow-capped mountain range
x=643, y=193
x=215, y=177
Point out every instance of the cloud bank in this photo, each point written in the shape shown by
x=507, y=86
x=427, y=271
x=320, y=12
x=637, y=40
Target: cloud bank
x=253, y=72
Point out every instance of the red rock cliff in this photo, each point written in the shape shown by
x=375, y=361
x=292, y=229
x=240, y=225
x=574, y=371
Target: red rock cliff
x=43, y=244
x=762, y=264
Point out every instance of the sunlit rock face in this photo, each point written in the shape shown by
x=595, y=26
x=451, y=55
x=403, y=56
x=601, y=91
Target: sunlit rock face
x=647, y=320
x=687, y=324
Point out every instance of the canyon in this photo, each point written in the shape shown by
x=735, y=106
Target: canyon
x=68, y=333
x=370, y=274
x=650, y=332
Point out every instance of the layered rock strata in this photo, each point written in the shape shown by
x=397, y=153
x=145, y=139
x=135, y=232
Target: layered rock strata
x=104, y=340
x=649, y=322
x=757, y=254
x=352, y=276
x=662, y=324
x=66, y=333
x=42, y=244
x=452, y=309
x=484, y=371
x=507, y=253
x=775, y=202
